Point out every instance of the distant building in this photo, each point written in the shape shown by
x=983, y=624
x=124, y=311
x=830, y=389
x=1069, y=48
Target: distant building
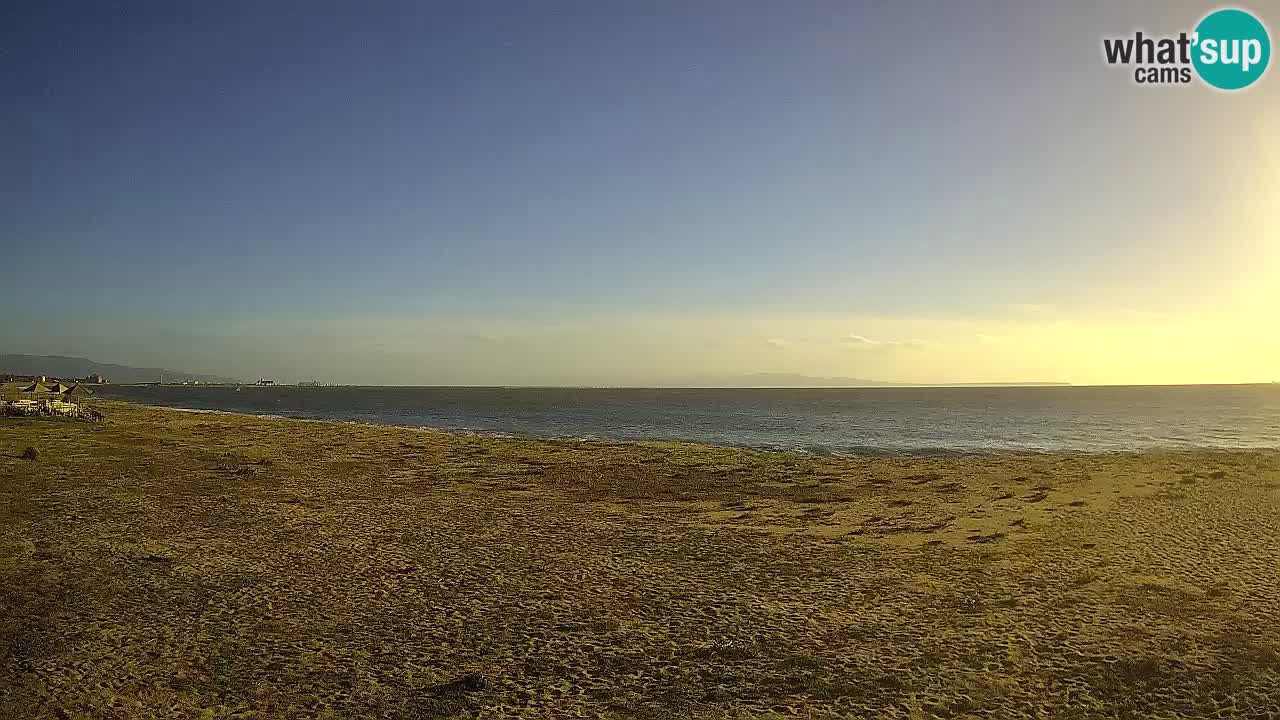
x=264, y=381
x=94, y=379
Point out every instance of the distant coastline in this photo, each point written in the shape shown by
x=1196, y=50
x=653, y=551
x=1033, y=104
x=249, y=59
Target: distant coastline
x=67, y=366
x=74, y=367
x=59, y=366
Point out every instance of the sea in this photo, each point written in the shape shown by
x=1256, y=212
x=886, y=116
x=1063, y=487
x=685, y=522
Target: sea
x=885, y=420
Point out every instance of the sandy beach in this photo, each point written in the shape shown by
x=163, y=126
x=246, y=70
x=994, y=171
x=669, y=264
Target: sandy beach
x=169, y=564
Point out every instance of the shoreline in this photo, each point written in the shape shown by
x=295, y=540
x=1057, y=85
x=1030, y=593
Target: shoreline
x=175, y=563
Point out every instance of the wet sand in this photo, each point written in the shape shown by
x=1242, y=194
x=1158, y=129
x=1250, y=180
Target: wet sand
x=169, y=564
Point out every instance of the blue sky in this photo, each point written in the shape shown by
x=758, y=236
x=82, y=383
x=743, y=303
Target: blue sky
x=599, y=192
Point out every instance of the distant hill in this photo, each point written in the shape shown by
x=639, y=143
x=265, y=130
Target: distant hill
x=797, y=380
x=74, y=367
x=779, y=379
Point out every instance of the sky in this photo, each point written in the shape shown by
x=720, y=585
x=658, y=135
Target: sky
x=639, y=193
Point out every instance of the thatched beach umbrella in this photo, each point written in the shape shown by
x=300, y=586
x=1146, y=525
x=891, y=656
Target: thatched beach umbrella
x=36, y=387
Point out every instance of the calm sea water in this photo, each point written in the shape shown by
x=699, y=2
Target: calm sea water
x=881, y=420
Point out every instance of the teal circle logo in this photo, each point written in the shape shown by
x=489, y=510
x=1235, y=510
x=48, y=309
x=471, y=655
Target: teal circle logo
x=1231, y=49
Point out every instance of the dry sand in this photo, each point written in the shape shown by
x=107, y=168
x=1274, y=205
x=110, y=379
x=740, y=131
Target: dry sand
x=180, y=565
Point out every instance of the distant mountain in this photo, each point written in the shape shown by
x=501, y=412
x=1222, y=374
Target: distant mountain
x=74, y=367
x=797, y=380
x=779, y=379
x=1001, y=384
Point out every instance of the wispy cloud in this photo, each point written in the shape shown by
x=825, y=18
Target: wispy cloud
x=854, y=341
x=914, y=343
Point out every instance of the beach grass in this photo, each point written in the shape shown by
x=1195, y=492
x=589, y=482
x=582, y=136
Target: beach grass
x=168, y=564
